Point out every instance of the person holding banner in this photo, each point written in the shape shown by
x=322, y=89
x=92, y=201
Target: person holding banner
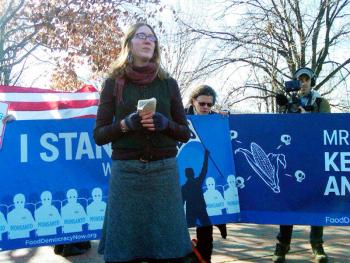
x=310, y=101
x=201, y=101
x=144, y=218
x=4, y=118
x=8, y=118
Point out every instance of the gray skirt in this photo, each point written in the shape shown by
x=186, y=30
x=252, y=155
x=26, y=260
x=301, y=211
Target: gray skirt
x=144, y=216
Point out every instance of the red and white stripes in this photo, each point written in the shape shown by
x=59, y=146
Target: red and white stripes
x=35, y=103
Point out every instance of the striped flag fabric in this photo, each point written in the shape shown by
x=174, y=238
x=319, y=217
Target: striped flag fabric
x=39, y=104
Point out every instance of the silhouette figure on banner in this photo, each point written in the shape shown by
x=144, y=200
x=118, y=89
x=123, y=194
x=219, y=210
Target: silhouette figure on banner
x=3, y=225
x=73, y=213
x=192, y=194
x=96, y=210
x=213, y=198
x=20, y=219
x=47, y=216
x=231, y=196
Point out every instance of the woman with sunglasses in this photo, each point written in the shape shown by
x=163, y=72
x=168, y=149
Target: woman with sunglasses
x=202, y=99
x=144, y=220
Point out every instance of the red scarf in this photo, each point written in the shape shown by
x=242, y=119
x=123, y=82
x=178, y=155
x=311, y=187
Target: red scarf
x=139, y=76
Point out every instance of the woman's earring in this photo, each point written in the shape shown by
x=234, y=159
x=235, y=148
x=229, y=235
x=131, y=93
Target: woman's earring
x=130, y=58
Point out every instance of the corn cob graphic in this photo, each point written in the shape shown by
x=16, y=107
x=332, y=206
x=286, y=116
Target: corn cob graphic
x=261, y=163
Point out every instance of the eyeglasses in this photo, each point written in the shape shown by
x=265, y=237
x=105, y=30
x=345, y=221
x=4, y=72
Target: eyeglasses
x=143, y=36
x=202, y=104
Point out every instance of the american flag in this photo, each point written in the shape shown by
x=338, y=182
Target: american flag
x=39, y=104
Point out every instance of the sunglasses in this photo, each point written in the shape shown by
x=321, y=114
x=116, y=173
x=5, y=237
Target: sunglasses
x=202, y=104
x=143, y=36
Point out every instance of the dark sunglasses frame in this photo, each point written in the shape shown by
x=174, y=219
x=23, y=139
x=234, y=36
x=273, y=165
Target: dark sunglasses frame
x=202, y=104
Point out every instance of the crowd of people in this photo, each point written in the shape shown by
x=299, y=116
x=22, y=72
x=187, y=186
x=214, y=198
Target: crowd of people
x=145, y=200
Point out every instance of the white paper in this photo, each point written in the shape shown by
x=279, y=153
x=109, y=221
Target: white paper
x=3, y=112
x=147, y=105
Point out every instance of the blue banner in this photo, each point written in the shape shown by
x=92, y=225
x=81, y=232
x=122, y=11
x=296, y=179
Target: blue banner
x=292, y=168
x=55, y=180
x=54, y=183
x=208, y=183
x=266, y=169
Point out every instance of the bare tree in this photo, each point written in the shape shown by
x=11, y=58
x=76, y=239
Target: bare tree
x=79, y=29
x=182, y=58
x=16, y=34
x=184, y=51
x=275, y=37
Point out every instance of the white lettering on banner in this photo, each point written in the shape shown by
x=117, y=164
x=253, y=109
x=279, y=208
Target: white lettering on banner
x=68, y=136
x=337, y=220
x=331, y=160
x=24, y=148
x=338, y=137
x=66, y=239
x=106, y=169
x=54, y=151
x=332, y=186
x=84, y=146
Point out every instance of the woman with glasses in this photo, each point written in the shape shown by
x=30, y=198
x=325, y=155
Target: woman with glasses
x=202, y=99
x=144, y=219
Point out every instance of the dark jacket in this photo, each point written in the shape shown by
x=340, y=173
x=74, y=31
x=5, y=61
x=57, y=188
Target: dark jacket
x=144, y=144
x=318, y=103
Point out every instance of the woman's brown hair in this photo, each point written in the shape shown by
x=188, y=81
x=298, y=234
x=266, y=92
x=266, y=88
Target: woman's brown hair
x=202, y=90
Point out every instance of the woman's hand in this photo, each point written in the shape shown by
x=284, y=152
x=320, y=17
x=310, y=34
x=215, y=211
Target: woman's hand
x=224, y=112
x=154, y=121
x=147, y=120
x=302, y=110
x=132, y=121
